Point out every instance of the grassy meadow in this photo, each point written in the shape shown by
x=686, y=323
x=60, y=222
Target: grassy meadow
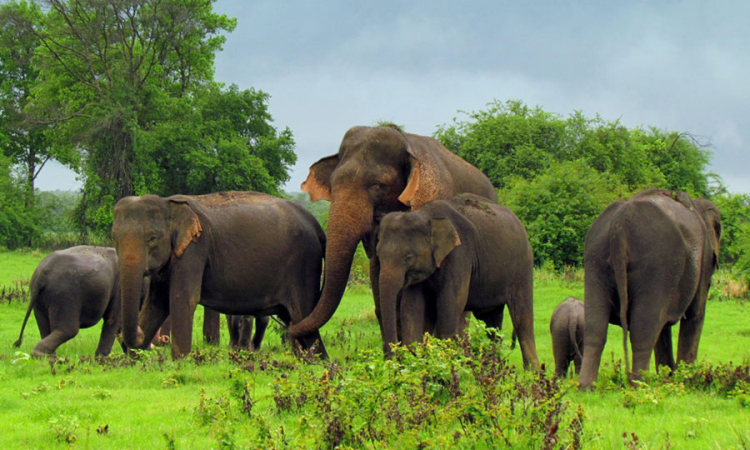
x=440, y=395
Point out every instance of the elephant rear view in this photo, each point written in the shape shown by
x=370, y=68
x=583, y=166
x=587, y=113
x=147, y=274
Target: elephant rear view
x=648, y=265
x=567, y=328
x=73, y=289
x=242, y=253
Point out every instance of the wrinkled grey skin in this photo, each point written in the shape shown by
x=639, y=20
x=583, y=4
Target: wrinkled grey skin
x=377, y=171
x=241, y=331
x=451, y=256
x=242, y=253
x=566, y=328
x=73, y=289
x=648, y=264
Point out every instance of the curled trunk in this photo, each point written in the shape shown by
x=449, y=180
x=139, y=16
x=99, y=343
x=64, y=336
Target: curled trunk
x=348, y=222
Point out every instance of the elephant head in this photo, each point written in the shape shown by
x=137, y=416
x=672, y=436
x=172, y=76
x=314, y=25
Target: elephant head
x=411, y=247
x=148, y=232
x=376, y=171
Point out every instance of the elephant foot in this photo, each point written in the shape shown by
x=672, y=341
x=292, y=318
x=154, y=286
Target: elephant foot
x=40, y=354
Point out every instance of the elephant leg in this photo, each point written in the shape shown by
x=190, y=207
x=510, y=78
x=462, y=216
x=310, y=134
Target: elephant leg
x=598, y=310
x=451, y=303
x=561, y=349
x=412, y=314
x=42, y=322
x=107, y=337
x=261, y=324
x=184, y=296
x=690, y=335
x=522, y=315
x=375, y=285
x=663, y=352
x=64, y=325
x=211, y=326
x=691, y=326
x=644, y=333
x=152, y=317
x=234, y=331
x=55, y=339
x=246, y=331
x=493, y=319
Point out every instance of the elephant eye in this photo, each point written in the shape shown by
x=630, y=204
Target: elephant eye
x=377, y=186
x=409, y=258
x=152, y=240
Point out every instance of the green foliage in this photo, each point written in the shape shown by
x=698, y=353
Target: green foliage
x=453, y=393
x=17, y=223
x=28, y=141
x=131, y=86
x=558, y=174
x=268, y=399
x=735, y=220
x=557, y=228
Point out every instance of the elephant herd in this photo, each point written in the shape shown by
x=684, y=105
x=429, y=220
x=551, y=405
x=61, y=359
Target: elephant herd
x=440, y=247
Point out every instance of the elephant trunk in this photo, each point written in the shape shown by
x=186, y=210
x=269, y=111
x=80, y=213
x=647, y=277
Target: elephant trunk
x=391, y=283
x=348, y=221
x=132, y=266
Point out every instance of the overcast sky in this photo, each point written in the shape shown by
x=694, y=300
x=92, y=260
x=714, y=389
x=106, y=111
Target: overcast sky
x=680, y=66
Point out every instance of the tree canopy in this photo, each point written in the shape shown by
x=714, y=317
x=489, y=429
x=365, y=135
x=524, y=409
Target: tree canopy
x=130, y=86
x=558, y=174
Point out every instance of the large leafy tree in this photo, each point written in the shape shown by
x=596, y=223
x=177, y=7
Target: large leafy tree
x=28, y=142
x=558, y=174
x=130, y=82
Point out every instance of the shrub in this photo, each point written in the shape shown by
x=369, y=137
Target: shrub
x=558, y=207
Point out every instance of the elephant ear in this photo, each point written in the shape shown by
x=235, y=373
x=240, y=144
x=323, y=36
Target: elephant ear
x=318, y=183
x=429, y=179
x=444, y=238
x=185, y=224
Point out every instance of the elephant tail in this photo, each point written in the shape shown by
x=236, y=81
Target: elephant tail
x=618, y=259
x=572, y=329
x=34, y=291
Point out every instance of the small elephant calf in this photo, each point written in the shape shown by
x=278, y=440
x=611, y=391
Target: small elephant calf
x=73, y=289
x=241, y=330
x=452, y=256
x=567, y=327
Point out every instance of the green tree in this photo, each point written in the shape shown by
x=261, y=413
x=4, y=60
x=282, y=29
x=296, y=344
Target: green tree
x=506, y=141
x=16, y=222
x=27, y=143
x=131, y=82
x=558, y=207
x=558, y=174
x=735, y=222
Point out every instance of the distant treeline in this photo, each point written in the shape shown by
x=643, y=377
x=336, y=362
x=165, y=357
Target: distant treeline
x=138, y=111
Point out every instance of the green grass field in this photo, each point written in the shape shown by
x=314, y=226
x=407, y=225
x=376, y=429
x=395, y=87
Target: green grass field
x=203, y=401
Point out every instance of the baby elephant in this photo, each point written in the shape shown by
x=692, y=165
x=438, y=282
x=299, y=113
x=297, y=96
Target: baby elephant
x=241, y=329
x=72, y=289
x=451, y=256
x=566, y=328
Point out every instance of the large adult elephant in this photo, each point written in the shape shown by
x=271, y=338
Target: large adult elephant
x=377, y=171
x=648, y=265
x=234, y=252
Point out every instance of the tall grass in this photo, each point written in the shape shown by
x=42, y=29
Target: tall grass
x=469, y=394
